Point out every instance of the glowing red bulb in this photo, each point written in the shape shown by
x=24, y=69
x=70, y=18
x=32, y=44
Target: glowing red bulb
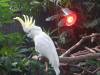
x=70, y=19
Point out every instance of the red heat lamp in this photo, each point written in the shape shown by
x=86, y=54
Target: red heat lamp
x=70, y=17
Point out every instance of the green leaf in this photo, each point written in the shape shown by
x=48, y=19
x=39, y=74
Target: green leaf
x=4, y=0
x=3, y=4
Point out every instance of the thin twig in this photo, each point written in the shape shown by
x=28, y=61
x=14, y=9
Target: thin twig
x=97, y=48
x=72, y=48
x=98, y=69
x=89, y=49
x=85, y=70
x=83, y=52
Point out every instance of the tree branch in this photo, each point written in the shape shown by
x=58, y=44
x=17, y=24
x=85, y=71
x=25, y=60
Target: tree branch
x=72, y=59
x=79, y=58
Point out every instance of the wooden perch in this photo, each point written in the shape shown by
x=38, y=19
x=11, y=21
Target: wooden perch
x=79, y=43
x=73, y=59
x=79, y=58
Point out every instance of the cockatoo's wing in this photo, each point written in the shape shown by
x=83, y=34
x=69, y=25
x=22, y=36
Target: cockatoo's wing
x=45, y=46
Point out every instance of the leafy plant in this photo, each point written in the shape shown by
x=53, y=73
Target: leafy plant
x=5, y=11
x=11, y=8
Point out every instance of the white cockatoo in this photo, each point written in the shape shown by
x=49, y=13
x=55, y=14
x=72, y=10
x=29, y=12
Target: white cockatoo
x=43, y=43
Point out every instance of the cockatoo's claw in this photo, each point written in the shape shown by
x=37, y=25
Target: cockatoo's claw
x=46, y=66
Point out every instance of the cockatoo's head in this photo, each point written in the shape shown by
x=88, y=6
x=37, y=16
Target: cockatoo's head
x=27, y=23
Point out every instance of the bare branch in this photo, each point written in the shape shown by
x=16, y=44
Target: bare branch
x=98, y=69
x=73, y=59
x=72, y=48
x=79, y=43
x=79, y=58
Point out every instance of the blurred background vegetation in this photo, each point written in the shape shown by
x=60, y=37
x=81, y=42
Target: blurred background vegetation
x=15, y=50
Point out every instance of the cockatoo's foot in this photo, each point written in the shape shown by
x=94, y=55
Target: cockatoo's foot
x=46, y=67
x=39, y=57
x=35, y=57
x=42, y=59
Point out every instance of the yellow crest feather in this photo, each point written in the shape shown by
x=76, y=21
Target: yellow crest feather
x=27, y=22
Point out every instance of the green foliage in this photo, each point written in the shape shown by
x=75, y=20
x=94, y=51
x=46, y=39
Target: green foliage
x=5, y=51
x=12, y=58
x=8, y=52
x=5, y=11
x=15, y=38
x=9, y=43
x=12, y=39
x=11, y=8
x=1, y=37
